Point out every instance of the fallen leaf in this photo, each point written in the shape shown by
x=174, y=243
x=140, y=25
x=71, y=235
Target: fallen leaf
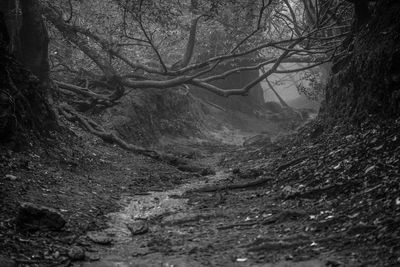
x=370, y=169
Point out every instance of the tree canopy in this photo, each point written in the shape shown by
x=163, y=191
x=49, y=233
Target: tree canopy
x=158, y=44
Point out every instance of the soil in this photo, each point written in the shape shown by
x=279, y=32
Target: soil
x=322, y=196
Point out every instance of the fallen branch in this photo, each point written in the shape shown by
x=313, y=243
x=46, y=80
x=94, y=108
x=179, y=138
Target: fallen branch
x=290, y=164
x=214, y=188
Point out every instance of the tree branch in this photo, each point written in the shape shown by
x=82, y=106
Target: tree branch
x=244, y=90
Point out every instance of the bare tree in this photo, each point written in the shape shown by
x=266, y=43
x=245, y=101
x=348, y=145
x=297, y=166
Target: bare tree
x=278, y=34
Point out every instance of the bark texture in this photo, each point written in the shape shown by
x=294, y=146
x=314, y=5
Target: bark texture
x=29, y=38
x=23, y=50
x=366, y=77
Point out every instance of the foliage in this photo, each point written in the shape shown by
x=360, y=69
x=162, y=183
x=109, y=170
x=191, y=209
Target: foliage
x=311, y=85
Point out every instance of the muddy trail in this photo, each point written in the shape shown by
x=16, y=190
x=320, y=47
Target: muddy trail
x=212, y=221
x=311, y=198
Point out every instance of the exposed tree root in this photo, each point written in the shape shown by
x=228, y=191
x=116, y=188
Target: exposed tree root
x=184, y=165
x=91, y=126
x=289, y=164
x=214, y=188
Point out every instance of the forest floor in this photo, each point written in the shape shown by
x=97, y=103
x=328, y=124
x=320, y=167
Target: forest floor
x=318, y=197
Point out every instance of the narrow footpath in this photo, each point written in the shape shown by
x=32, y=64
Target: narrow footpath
x=312, y=198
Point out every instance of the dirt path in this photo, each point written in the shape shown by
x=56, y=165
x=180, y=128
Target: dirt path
x=305, y=200
x=186, y=226
x=299, y=201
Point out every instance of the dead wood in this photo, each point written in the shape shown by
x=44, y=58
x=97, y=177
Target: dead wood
x=290, y=164
x=214, y=188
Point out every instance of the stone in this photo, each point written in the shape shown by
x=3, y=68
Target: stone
x=76, y=253
x=138, y=227
x=207, y=171
x=11, y=177
x=33, y=217
x=99, y=238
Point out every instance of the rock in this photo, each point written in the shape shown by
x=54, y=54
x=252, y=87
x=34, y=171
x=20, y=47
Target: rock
x=32, y=217
x=99, y=238
x=76, y=253
x=138, y=227
x=258, y=140
x=4, y=262
x=207, y=171
x=11, y=177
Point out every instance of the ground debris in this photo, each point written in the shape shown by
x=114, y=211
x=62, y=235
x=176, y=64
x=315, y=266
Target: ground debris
x=345, y=179
x=332, y=196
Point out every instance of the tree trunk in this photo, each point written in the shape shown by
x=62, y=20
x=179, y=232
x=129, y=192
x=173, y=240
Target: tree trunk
x=34, y=40
x=23, y=105
x=367, y=81
x=29, y=38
